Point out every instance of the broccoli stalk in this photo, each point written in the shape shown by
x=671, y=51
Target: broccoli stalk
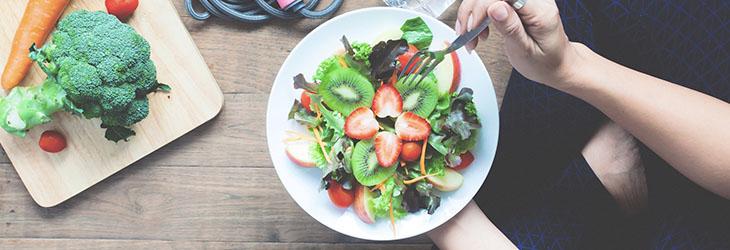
x=97, y=67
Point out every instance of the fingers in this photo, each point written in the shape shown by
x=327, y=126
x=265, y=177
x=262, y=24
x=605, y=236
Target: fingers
x=508, y=23
x=463, y=15
x=478, y=14
x=541, y=17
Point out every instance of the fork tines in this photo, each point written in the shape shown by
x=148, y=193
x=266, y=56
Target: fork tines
x=418, y=67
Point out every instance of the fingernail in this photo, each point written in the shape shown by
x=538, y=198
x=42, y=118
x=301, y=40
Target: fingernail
x=458, y=28
x=500, y=14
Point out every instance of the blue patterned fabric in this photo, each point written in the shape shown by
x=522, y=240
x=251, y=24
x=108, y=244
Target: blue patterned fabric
x=543, y=195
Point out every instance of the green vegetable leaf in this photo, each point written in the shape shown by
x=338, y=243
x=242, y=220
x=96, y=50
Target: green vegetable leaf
x=381, y=204
x=325, y=67
x=382, y=59
x=333, y=120
x=416, y=32
x=301, y=115
x=468, y=144
x=362, y=52
x=357, y=56
x=301, y=83
x=436, y=165
x=436, y=142
x=458, y=124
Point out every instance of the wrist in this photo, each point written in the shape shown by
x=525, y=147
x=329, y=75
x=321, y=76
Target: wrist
x=571, y=74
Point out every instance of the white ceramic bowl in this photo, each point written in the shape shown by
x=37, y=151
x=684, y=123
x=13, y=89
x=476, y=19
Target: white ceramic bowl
x=303, y=183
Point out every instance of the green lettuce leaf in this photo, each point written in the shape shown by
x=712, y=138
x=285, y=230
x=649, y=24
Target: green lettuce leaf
x=381, y=204
x=301, y=115
x=362, y=52
x=416, y=32
x=325, y=67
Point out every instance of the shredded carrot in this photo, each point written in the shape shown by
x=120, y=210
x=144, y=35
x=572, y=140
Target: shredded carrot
x=316, y=109
x=414, y=180
x=379, y=186
x=392, y=217
x=342, y=62
x=321, y=144
x=423, y=157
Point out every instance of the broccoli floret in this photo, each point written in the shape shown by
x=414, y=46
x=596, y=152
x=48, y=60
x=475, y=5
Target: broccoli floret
x=138, y=110
x=103, y=68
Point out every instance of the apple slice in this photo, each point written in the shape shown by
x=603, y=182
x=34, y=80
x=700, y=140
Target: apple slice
x=300, y=152
x=448, y=74
x=360, y=205
x=450, y=181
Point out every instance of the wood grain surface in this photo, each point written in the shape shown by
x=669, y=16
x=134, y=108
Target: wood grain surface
x=89, y=158
x=214, y=187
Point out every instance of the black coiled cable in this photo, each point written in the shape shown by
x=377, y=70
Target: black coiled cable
x=257, y=11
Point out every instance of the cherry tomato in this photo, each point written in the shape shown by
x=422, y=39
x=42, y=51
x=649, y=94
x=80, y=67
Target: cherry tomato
x=52, y=141
x=122, y=9
x=405, y=57
x=411, y=151
x=341, y=197
x=306, y=100
x=466, y=160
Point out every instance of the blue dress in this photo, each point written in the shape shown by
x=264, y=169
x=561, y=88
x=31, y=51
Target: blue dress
x=541, y=192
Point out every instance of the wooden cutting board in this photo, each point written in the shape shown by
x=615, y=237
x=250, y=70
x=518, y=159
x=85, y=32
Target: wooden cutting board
x=89, y=158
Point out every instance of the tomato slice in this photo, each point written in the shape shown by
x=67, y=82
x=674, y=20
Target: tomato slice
x=405, y=57
x=466, y=160
x=306, y=101
x=340, y=196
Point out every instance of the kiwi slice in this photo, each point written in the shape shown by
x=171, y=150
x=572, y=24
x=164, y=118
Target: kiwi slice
x=419, y=98
x=365, y=165
x=345, y=89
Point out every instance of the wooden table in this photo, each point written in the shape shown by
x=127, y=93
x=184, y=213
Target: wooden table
x=214, y=187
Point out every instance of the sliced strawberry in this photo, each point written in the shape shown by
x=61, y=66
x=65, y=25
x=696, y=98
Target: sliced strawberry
x=387, y=148
x=361, y=124
x=387, y=102
x=411, y=127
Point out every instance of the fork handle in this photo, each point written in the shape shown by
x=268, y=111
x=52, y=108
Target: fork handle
x=468, y=36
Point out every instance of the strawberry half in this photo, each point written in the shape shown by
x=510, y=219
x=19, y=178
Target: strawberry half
x=387, y=148
x=411, y=127
x=361, y=124
x=387, y=102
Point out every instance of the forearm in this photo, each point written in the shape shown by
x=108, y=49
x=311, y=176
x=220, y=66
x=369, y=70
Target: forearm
x=470, y=229
x=686, y=128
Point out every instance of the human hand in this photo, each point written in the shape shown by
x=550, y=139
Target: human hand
x=535, y=41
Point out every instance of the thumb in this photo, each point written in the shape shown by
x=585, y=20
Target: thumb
x=508, y=23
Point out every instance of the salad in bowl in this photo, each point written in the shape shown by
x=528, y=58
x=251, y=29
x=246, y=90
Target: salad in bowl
x=385, y=146
x=347, y=139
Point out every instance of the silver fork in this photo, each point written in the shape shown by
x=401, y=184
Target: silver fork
x=417, y=70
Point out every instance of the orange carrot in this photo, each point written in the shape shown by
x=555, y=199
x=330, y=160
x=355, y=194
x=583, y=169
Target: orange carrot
x=342, y=62
x=38, y=21
x=417, y=179
x=423, y=157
